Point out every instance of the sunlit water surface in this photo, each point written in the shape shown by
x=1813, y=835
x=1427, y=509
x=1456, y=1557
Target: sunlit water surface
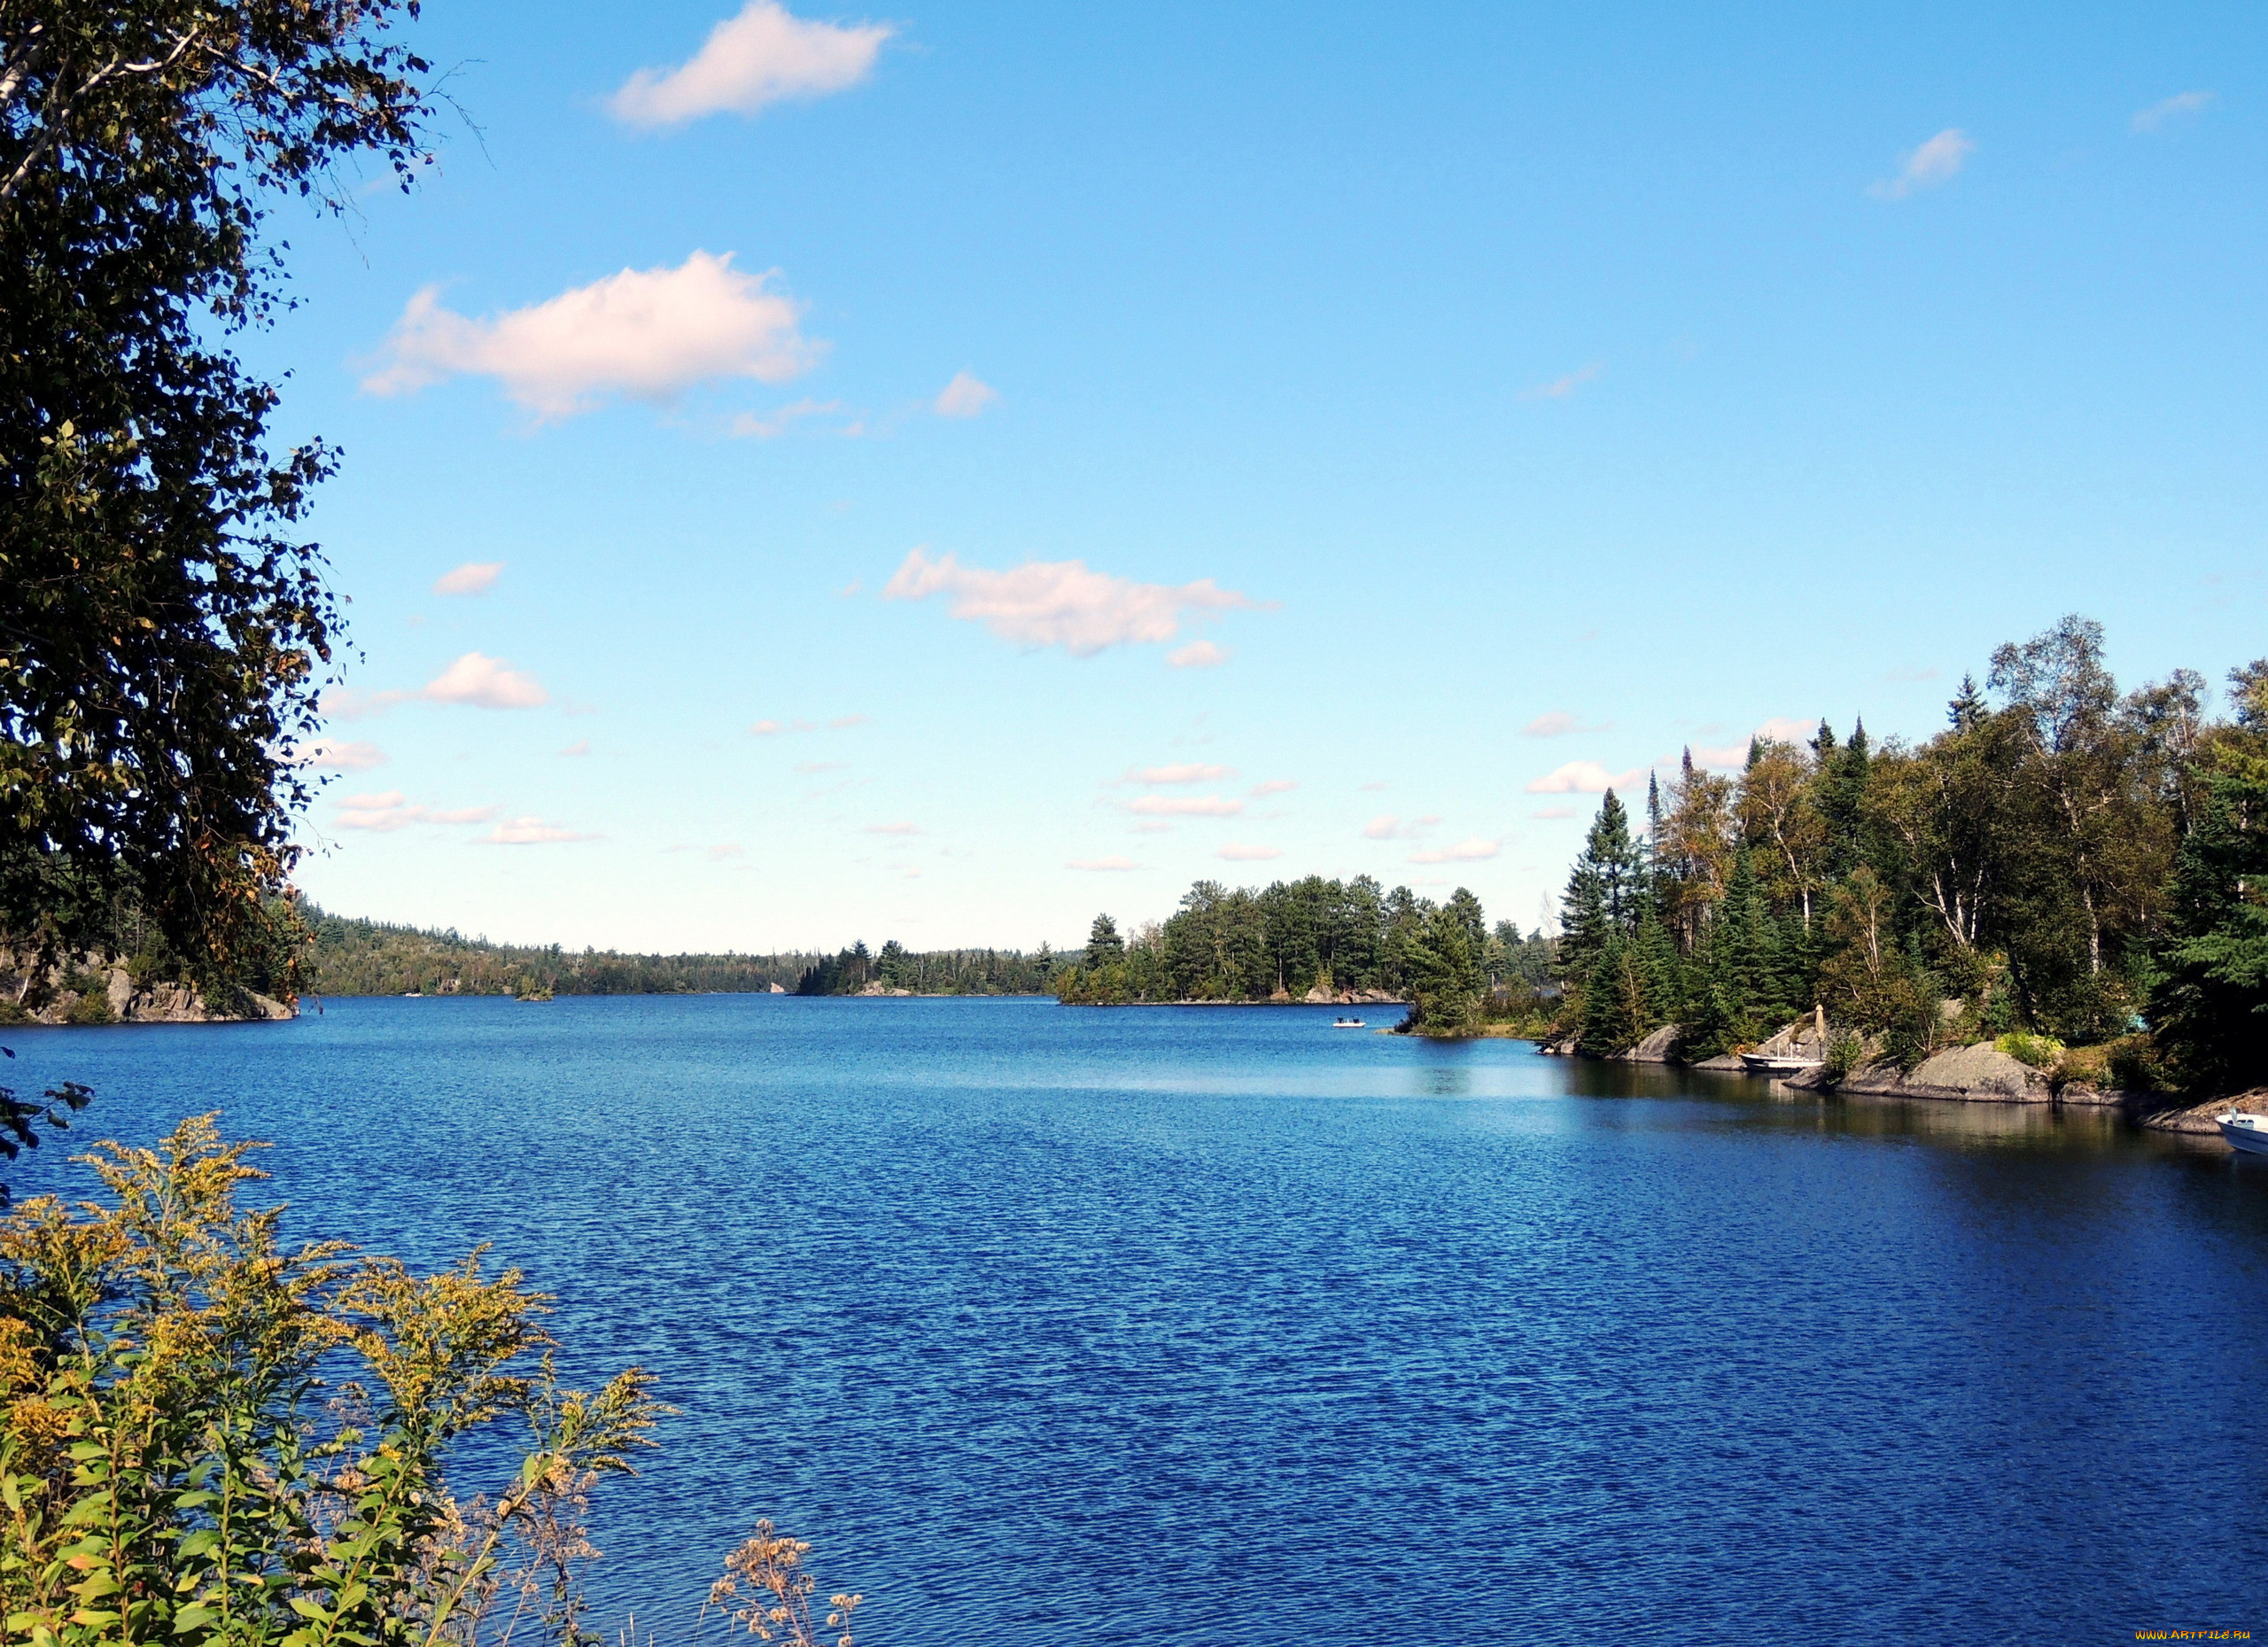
x=1220, y=1325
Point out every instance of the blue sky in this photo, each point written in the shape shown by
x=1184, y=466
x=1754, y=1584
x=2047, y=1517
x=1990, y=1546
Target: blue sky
x=1432, y=400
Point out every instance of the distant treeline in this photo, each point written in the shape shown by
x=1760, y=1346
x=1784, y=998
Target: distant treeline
x=349, y=957
x=937, y=972
x=1282, y=941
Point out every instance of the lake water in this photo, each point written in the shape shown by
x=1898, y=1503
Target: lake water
x=1217, y=1325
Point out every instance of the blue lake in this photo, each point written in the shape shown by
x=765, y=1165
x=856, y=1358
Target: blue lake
x=1217, y=1325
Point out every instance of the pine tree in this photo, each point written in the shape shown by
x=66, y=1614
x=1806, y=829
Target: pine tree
x=1610, y=989
x=1604, y=890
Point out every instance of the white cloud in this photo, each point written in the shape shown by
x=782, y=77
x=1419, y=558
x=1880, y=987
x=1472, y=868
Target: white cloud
x=1584, y=777
x=1464, y=851
x=472, y=577
x=1241, y=853
x=1390, y=827
x=749, y=61
x=346, y=704
x=843, y=723
x=531, y=832
x=750, y=427
x=1934, y=162
x=486, y=683
x=2181, y=103
x=1184, y=806
x=1186, y=772
x=1153, y=828
x=1105, y=864
x=891, y=828
x=1061, y=602
x=1787, y=729
x=390, y=810
x=581, y=746
x=646, y=334
x=1721, y=755
x=1554, y=812
x=1560, y=388
x=1273, y=786
x=1558, y=724
x=766, y=729
x=324, y=755
x=966, y=396
x=1197, y=655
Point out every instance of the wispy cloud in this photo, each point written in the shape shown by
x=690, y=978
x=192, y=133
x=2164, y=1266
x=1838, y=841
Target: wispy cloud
x=1464, y=851
x=1554, y=812
x=1560, y=388
x=531, y=831
x=810, y=768
x=1109, y=866
x=762, y=56
x=485, y=682
x=1374, y=785
x=843, y=723
x=2180, y=104
x=1184, y=772
x=1197, y=655
x=325, y=755
x=1273, y=786
x=1390, y=827
x=1910, y=674
x=771, y=425
x=580, y=747
x=890, y=828
x=390, y=810
x=644, y=334
x=1184, y=806
x=1788, y=729
x=1935, y=162
x=472, y=577
x=1584, y=777
x=1045, y=603
x=1153, y=828
x=724, y=850
x=1244, y=852
x=966, y=396
x=1558, y=723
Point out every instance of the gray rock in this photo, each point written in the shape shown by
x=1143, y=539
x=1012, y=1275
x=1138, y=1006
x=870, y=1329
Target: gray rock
x=1660, y=1047
x=1982, y=1071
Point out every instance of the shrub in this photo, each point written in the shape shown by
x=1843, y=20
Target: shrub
x=1846, y=1049
x=2039, y=1050
x=92, y=1006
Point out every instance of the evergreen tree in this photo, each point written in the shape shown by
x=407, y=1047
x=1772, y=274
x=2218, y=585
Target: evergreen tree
x=1604, y=890
x=2209, y=1008
x=1103, y=946
x=1610, y=999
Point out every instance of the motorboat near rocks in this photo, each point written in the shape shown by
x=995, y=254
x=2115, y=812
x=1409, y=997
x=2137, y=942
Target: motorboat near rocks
x=2248, y=1133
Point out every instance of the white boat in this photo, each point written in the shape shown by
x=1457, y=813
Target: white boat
x=1778, y=1064
x=2248, y=1133
x=1346, y=1023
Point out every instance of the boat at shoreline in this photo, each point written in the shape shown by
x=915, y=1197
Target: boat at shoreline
x=1346, y=1023
x=1778, y=1064
x=2248, y=1133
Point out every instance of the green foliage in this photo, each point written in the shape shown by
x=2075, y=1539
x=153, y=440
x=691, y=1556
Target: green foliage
x=2210, y=1004
x=165, y=627
x=176, y=1464
x=1280, y=942
x=2060, y=855
x=1446, y=983
x=2041, y=1052
x=348, y=957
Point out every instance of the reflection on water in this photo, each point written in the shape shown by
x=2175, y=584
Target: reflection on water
x=1061, y=1327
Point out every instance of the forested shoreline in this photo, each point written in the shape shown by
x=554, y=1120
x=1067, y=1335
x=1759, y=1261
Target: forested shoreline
x=2064, y=860
x=347, y=955
x=2067, y=862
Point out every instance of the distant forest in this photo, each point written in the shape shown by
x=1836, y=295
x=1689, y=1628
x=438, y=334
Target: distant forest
x=1279, y=942
x=350, y=957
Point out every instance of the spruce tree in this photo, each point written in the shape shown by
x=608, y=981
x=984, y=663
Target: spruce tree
x=1604, y=890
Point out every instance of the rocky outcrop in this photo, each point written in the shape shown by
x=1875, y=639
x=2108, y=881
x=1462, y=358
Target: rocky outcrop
x=1660, y=1047
x=97, y=992
x=877, y=987
x=2203, y=1119
x=1320, y=996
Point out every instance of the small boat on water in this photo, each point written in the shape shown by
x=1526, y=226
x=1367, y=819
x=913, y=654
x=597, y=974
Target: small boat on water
x=2248, y=1133
x=1780, y=1065
x=1346, y=1023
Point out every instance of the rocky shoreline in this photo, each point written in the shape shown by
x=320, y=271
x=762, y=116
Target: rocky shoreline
x=116, y=998
x=1976, y=1073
